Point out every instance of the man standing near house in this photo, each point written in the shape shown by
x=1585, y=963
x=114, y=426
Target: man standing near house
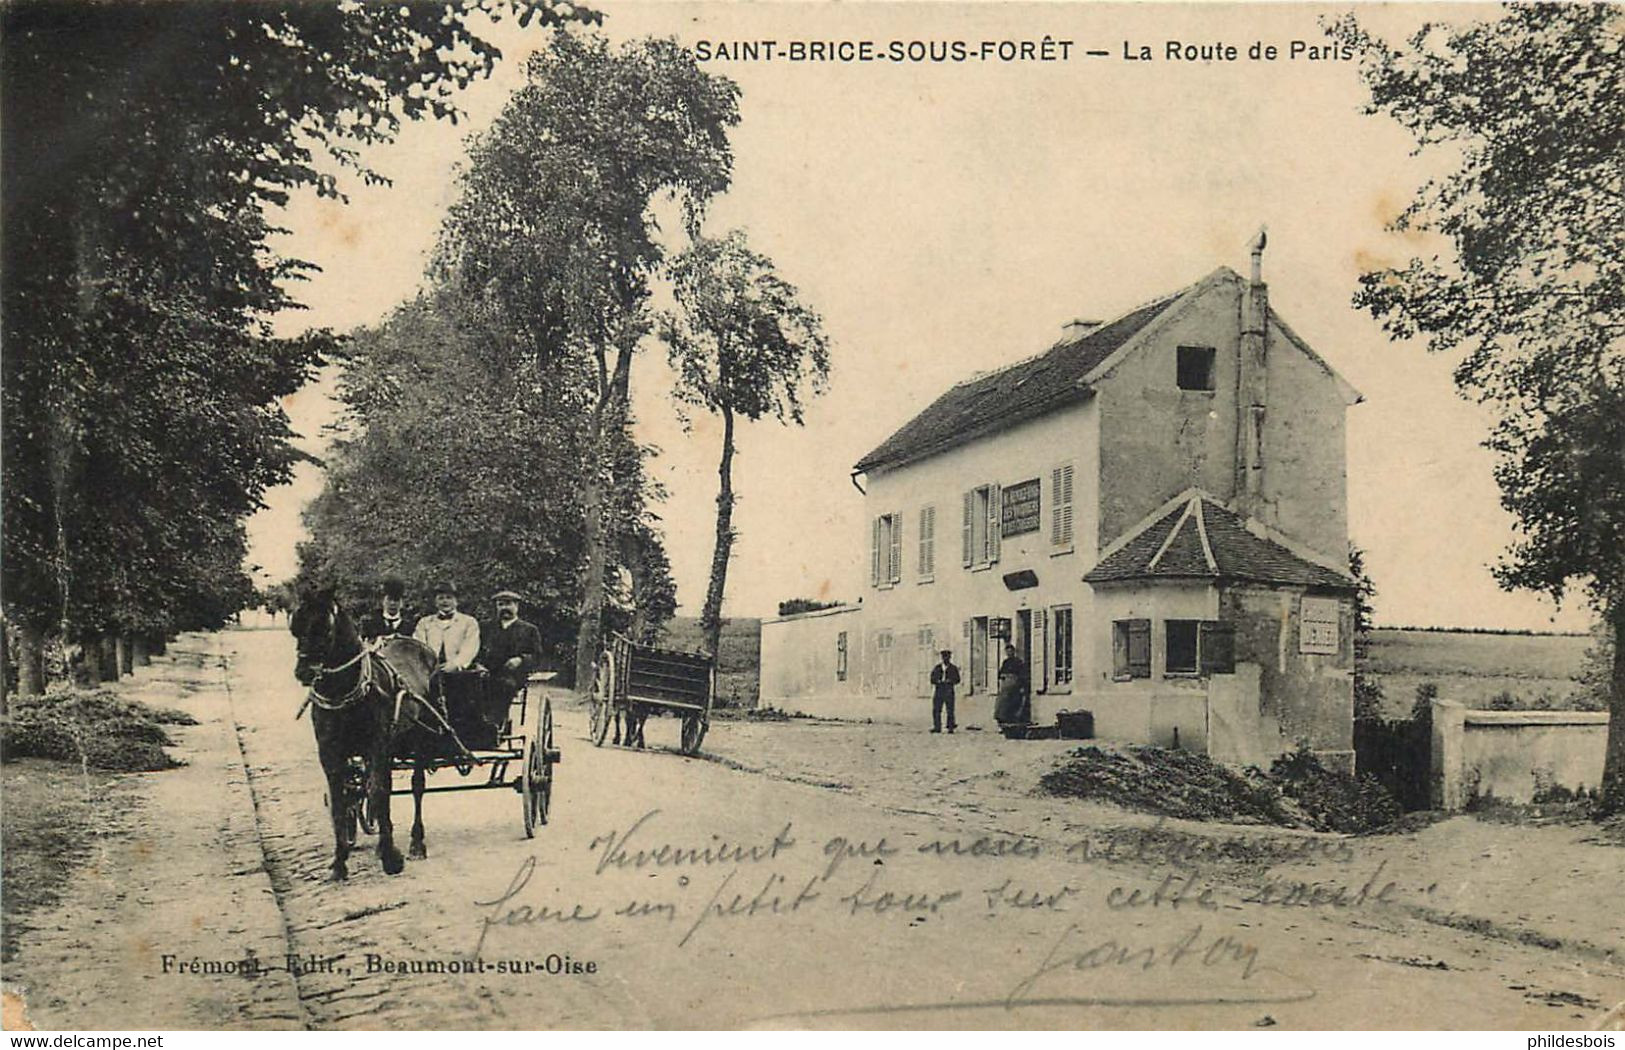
x=453, y=636
x=944, y=678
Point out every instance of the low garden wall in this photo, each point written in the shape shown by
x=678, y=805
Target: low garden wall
x=1513, y=755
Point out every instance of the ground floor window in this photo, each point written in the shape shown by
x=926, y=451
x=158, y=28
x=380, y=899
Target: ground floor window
x=1131, y=649
x=1181, y=642
x=1061, y=650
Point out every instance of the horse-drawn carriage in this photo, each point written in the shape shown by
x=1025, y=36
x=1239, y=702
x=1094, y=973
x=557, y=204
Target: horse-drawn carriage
x=636, y=681
x=491, y=731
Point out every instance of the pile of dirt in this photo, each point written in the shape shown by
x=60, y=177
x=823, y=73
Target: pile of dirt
x=98, y=728
x=1296, y=792
x=1173, y=783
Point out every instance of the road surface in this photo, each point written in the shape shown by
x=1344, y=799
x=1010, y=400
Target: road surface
x=746, y=888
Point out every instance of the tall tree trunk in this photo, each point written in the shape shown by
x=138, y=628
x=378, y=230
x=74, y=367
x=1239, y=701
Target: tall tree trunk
x=1613, y=766
x=711, y=615
x=30, y=659
x=608, y=427
x=160, y=645
x=126, y=655
x=109, y=658
x=88, y=674
x=138, y=650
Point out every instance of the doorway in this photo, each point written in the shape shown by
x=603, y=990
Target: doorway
x=1024, y=644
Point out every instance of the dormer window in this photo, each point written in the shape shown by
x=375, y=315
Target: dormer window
x=1195, y=370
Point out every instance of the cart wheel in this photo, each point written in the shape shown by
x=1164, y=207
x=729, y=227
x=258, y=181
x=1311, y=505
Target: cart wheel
x=544, y=772
x=536, y=783
x=693, y=733
x=603, y=699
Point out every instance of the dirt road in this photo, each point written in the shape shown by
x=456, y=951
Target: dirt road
x=798, y=876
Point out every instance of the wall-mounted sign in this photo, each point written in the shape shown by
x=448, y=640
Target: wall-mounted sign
x=1020, y=510
x=1318, y=626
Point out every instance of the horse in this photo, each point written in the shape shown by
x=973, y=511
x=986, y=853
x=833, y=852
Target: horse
x=368, y=701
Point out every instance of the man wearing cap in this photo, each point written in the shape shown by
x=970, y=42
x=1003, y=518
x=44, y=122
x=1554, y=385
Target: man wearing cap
x=944, y=677
x=392, y=620
x=454, y=636
x=513, y=647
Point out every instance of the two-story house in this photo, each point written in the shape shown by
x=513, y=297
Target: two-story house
x=1153, y=511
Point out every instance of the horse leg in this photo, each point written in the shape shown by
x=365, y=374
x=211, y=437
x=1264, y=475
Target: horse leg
x=420, y=781
x=379, y=777
x=336, y=767
x=617, y=739
x=638, y=719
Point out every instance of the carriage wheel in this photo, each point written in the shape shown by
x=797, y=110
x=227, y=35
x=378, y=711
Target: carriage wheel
x=603, y=700
x=536, y=782
x=693, y=733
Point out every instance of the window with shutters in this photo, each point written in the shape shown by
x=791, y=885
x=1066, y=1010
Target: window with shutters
x=1131, y=649
x=1200, y=647
x=1180, y=651
x=840, y=657
x=928, y=544
x=1060, y=512
x=925, y=658
x=886, y=551
x=981, y=527
x=1060, y=618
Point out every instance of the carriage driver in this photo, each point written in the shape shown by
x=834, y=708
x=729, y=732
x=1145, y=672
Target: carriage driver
x=392, y=619
x=513, y=647
x=454, y=636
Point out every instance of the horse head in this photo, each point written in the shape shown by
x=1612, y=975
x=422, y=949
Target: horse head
x=326, y=636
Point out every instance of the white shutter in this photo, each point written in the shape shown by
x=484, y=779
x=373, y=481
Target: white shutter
x=895, y=555
x=874, y=554
x=1060, y=534
x=928, y=542
x=970, y=555
x=994, y=524
x=1041, y=648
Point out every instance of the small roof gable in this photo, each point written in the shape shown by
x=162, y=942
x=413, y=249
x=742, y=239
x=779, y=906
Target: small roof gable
x=1202, y=539
x=1019, y=392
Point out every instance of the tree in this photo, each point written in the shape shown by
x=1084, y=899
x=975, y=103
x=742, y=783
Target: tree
x=141, y=382
x=1529, y=111
x=555, y=230
x=1367, y=690
x=743, y=345
x=450, y=467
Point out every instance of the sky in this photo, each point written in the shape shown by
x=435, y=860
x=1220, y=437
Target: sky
x=948, y=218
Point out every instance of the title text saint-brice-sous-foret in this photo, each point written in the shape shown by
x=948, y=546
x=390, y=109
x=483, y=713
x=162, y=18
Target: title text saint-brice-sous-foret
x=1043, y=49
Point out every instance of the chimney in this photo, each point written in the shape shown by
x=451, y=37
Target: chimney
x=1078, y=329
x=1252, y=387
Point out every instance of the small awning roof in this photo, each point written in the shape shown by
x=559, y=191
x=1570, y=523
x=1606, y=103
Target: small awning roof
x=1200, y=538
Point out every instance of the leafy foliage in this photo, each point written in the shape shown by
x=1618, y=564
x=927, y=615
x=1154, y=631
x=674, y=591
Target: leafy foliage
x=742, y=345
x=555, y=232
x=146, y=146
x=461, y=459
x=1367, y=689
x=1528, y=108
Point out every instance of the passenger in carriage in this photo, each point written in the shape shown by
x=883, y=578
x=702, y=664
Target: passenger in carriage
x=392, y=620
x=453, y=636
x=513, y=647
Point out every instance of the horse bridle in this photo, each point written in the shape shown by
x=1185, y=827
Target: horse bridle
x=363, y=679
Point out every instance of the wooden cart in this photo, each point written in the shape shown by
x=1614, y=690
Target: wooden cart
x=634, y=681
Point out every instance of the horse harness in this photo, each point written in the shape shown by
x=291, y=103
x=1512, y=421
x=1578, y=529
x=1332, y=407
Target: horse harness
x=389, y=684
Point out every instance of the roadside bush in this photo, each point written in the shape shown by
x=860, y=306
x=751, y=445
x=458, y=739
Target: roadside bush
x=1333, y=801
x=97, y=728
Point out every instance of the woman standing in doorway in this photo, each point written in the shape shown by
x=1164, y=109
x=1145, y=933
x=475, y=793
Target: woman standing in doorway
x=1012, y=708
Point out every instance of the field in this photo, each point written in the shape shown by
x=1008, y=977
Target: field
x=737, y=681
x=1525, y=671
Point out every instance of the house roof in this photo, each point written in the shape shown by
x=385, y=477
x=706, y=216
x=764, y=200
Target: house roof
x=1010, y=395
x=1199, y=538
x=1029, y=388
